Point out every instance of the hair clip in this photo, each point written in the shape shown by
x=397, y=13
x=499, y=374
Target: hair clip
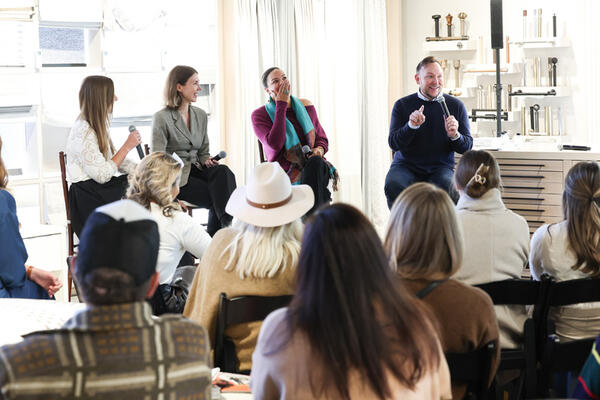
x=178, y=159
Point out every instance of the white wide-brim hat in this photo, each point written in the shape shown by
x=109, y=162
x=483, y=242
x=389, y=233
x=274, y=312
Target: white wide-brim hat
x=269, y=199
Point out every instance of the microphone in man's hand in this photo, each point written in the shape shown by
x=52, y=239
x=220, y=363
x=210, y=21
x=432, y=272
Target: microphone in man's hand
x=306, y=151
x=139, y=146
x=221, y=154
x=442, y=101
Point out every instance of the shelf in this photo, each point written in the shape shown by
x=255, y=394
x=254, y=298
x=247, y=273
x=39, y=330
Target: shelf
x=451, y=45
x=490, y=69
x=542, y=43
x=561, y=91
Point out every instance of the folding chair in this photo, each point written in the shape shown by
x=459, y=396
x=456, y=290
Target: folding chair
x=236, y=311
x=473, y=368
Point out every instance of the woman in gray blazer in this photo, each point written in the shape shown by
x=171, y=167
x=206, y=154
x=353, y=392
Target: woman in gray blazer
x=181, y=128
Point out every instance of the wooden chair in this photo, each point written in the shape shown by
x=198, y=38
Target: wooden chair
x=236, y=311
x=261, y=152
x=521, y=292
x=568, y=356
x=62, y=160
x=473, y=368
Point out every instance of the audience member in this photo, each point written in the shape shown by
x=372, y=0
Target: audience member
x=114, y=349
x=181, y=128
x=588, y=383
x=257, y=256
x=96, y=172
x=284, y=126
x=16, y=278
x=425, y=247
x=351, y=330
x=498, y=239
x=569, y=249
x=155, y=184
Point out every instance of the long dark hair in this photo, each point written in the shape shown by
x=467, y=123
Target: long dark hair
x=581, y=207
x=355, y=313
x=96, y=99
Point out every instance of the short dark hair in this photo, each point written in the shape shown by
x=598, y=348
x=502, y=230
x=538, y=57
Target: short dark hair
x=426, y=61
x=355, y=313
x=106, y=286
x=265, y=75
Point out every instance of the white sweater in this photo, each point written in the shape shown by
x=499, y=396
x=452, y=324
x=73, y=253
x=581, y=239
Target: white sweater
x=178, y=234
x=86, y=161
x=496, y=248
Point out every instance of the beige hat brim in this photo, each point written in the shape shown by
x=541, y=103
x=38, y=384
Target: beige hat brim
x=302, y=200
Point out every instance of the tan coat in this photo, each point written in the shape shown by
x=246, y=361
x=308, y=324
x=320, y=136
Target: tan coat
x=465, y=316
x=212, y=279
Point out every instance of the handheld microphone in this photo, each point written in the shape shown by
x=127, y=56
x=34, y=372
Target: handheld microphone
x=221, y=154
x=139, y=146
x=306, y=150
x=442, y=101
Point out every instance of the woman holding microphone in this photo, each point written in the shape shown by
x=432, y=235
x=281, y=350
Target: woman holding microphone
x=96, y=170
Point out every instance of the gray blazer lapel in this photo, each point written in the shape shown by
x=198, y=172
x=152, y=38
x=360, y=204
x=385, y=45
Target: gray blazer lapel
x=180, y=124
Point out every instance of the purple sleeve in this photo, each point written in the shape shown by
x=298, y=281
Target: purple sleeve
x=270, y=133
x=320, y=136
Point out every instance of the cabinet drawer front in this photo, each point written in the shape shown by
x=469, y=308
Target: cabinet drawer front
x=536, y=209
x=535, y=224
x=539, y=214
x=517, y=164
x=546, y=176
x=532, y=185
x=515, y=197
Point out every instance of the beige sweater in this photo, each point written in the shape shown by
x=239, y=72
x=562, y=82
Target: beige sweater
x=212, y=279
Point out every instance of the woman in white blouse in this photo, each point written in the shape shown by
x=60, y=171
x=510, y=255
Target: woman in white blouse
x=94, y=168
x=155, y=184
x=569, y=249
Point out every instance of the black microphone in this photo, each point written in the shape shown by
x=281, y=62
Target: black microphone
x=139, y=146
x=221, y=154
x=306, y=150
x=442, y=101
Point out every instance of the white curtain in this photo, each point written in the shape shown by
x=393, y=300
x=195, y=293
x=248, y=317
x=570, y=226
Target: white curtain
x=335, y=54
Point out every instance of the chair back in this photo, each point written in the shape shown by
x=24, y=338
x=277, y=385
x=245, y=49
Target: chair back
x=62, y=161
x=146, y=149
x=473, y=368
x=261, y=152
x=238, y=310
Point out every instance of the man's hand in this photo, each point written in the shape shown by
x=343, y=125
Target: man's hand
x=451, y=127
x=417, y=117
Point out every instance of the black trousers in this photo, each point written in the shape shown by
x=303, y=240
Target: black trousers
x=210, y=188
x=316, y=175
x=86, y=196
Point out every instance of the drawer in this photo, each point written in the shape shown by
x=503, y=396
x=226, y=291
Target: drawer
x=517, y=164
x=532, y=185
x=547, y=176
x=541, y=210
x=513, y=197
x=535, y=224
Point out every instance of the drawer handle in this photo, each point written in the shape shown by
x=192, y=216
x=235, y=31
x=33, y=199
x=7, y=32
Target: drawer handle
x=526, y=210
x=522, y=165
x=522, y=198
x=524, y=187
x=524, y=176
x=536, y=222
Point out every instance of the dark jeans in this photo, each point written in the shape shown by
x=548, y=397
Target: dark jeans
x=400, y=176
x=210, y=188
x=316, y=175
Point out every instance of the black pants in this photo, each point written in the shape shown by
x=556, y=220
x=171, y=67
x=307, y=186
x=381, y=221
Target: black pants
x=316, y=175
x=210, y=188
x=86, y=196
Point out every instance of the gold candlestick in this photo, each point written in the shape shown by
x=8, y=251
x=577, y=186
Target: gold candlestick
x=449, y=23
x=462, y=16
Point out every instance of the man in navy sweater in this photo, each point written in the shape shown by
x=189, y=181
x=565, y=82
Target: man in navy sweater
x=423, y=140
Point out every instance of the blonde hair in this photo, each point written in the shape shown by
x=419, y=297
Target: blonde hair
x=96, y=98
x=152, y=182
x=424, y=239
x=264, y=252
x=3, y=171
x=178, y=75
x=581, y=208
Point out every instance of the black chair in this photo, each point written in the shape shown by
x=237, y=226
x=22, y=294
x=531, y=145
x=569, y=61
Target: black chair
x=473, y=368
x=236, y=311
x=567, y=356
x=261, y=152
x=521, y=292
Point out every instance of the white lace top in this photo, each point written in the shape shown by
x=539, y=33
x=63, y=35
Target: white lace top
x=86, y=161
